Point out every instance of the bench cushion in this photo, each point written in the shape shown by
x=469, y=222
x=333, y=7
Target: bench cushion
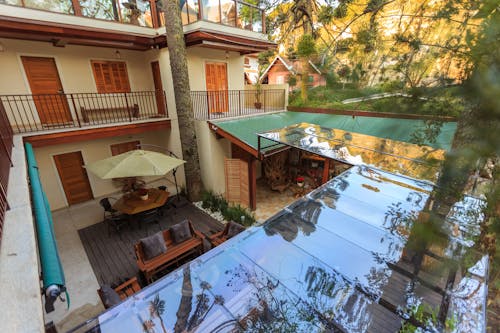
x=181, y=232
x=234, y=229
x=109, y=296
x=153, y=246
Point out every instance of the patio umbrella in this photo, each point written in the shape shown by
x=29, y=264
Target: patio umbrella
x=134, y=163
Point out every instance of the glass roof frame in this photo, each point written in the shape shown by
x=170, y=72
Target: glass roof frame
x=333, y=254
x=339, y=145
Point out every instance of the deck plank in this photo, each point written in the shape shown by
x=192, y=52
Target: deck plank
x=112, y=257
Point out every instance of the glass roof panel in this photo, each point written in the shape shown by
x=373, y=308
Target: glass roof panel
x=421, y=162
x=335, y=260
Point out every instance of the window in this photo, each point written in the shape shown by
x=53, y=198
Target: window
x=310, y=79
x=110, y=76
x=124, y=147
x=280, y=79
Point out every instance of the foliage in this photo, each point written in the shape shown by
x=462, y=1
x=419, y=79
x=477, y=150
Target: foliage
x=292, y=80
x=306, y=46
x=217, y=203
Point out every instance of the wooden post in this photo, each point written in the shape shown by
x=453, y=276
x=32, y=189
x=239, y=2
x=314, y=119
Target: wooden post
x=252, y=182
x=154, y=13
x=263, y=21
x=326, y=170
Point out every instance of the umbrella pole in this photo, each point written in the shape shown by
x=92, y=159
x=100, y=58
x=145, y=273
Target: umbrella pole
x=176, y=187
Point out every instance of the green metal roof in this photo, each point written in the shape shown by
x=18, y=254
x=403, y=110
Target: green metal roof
x=245, y=129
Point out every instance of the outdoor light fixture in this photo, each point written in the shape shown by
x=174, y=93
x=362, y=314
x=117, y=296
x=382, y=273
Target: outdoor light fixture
x=118, y=55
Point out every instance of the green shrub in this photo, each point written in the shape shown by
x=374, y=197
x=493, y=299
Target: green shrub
x=217, y=203
x=239, y=214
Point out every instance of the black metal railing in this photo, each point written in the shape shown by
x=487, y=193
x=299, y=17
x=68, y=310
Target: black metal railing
x=234, y=103
x=32, y=113
x=6, y=143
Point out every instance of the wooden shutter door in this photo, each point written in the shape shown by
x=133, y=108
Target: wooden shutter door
x=216, y=83
x=46, y=86
x=237, y=190
x=73, y=177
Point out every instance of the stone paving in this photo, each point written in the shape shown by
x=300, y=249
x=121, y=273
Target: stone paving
x=270, y=202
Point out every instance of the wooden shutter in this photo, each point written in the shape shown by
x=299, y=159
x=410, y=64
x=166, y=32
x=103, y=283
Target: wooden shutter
x=111, y=76
x=237, y=190
x=124, y=147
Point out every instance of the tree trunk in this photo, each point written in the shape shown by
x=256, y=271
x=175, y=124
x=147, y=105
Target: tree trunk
x=186, y=302
x=304, y=79
x=178, y=66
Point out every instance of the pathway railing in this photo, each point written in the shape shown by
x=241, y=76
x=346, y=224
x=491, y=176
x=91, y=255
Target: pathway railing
x=32, y=113
x=5, y=163
x=234, y=103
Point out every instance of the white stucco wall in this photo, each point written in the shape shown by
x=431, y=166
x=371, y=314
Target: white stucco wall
x=91, y=151
x=73, y=64
x=212, y=153
x=198, y=56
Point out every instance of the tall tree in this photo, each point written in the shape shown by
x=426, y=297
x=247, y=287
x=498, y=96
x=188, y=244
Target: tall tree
x=178, y=66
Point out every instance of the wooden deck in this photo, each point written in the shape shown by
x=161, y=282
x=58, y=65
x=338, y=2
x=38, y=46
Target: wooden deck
x=112, y=256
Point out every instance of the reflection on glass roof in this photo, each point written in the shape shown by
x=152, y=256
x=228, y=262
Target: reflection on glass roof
x=335, y=260
x=421, y=162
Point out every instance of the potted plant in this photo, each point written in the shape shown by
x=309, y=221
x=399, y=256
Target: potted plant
x=263, y=60
x=258, y=93
x=143, y=193
x=300, y=181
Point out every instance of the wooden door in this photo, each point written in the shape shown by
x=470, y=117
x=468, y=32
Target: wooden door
x=237, y=184
x=160, y=96
x=120, y=148
x=216, y=79
x=73, y=177
x=47, y=89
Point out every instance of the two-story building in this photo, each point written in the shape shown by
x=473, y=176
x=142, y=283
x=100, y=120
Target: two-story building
x=82, y=81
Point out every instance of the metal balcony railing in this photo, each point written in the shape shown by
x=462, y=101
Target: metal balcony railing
x=233, y=103
x=148, y=13
x=32, y=113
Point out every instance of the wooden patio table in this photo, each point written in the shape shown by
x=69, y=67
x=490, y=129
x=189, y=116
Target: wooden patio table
x=132, y=204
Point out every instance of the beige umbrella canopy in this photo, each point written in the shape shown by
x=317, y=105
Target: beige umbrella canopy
x=134, y=163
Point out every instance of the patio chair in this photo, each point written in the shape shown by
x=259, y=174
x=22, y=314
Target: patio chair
x=113, y=220
x=112, y=296
x=231, y=229
x=108, y=209
x=148, y=217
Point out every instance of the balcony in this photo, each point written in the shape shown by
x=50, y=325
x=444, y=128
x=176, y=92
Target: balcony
x=209, y=105
x=34, y=113
x=148, y=13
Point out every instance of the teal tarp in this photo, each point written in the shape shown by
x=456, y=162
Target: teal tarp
x=52, y=272
x=245, y=129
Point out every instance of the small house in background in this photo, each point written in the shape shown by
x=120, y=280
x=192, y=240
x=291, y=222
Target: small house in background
x=280, y=70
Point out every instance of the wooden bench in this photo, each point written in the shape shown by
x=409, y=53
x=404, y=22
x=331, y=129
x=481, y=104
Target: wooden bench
x=175, y=253
x=221, y=236
x=107, y=113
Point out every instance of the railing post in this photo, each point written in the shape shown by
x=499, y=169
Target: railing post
x=200, y=10
x=263, y=12
x=265, y=94
x=208, y=105
x=76, y=111
x=239, y=102
x=128, y=108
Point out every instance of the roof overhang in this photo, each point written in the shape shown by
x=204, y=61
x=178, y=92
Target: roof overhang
x=61, y=34
x=243, y=45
